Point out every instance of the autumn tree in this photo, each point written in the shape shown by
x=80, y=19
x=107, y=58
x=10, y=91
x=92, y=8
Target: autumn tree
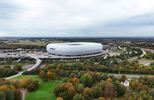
x=40, y=74
x=80, y=89
x=110, y=91
x=109, y=80
x=65, y=80
x=88, y=93
x=72, y=75
x=71, y=92
x=24, y=82
x=101, y=98
x=75, y=80
x=59, y=98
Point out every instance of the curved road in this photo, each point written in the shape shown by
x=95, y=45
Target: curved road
x=38, y=62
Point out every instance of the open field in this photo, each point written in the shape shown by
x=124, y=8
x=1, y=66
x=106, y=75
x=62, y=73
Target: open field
x=39, y=43
x=44, y=91
x=25, y=76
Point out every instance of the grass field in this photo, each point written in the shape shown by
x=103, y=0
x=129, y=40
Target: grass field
x=44, y=91
x=25, y=76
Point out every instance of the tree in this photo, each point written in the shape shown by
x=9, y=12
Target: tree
x=78, y=97
x=17, y=94
x=24, y=82
x=90, y=82
x=44, y=76
x=75, y=80
x=40, y=74
x=59, y=98
x=84, y=79
x=110, y=91
x=64, y=95
x=65, y=80
x=88, y=93
x=80, y=89
x=71, y=92
x=101, y=98
x=9, y=94
x=109, y=80
x=72, y=75
x=29, y=81
x=151, y=92
x=134, y=84
x=61, y=72
x=49, y=73
x=53, y=76
x=2, y=95
x=31, y=87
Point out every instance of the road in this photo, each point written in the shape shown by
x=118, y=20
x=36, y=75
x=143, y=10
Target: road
x=38, y=62
x=144, y=53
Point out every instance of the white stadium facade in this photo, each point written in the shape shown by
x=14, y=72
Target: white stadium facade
x=74, y=49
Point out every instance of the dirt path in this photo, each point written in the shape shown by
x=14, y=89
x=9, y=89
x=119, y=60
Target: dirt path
x=23, y=91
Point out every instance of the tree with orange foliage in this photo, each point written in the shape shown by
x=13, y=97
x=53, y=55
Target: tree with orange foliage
x=40, y=74
x=49, y=73
x=75, y=80
x=47, y=65
x=24, y=82
x=71, y=92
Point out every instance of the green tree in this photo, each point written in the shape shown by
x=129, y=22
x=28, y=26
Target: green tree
x=44, y=77
x=85, y=78
x=78, y=97
x=2, y=95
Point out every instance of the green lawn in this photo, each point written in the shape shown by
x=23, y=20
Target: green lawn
x=25, y=76
x=44, y=91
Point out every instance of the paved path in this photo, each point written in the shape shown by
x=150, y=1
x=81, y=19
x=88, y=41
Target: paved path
x=38, y=62
x=23, y=91
x=144, y=53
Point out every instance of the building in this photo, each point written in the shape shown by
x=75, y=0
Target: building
x=106, y=47
x=74, y=48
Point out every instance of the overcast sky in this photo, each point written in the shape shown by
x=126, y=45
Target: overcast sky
x=81, y=18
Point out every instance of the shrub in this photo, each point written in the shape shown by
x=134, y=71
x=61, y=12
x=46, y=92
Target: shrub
x=31, y=87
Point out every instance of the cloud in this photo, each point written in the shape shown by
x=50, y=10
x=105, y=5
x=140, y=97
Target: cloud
x=76, y=17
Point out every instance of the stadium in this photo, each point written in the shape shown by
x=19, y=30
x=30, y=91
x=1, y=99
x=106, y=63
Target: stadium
x=74, y=49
